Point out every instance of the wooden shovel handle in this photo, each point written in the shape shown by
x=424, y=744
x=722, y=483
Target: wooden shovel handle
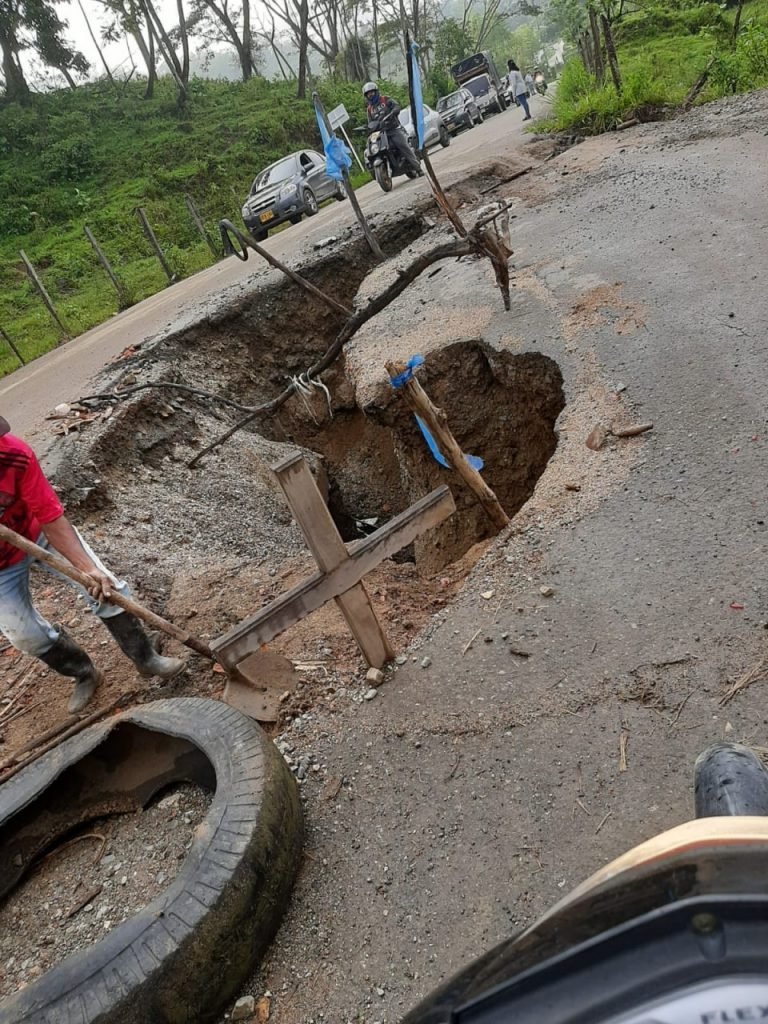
x=128, y=605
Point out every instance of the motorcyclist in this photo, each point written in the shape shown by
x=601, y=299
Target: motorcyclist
x=381, y=107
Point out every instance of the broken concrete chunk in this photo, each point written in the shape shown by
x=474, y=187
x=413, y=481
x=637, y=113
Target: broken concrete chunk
x=546, y=591
x=244, y=1008
x=374, y=676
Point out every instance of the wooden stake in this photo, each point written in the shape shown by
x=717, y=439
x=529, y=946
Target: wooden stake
x=151, y=238
x=329, y=550
x=40, y=288
x=197, y=220
x=121, y=296
x=11, y=346
x=361, y=218
x=437, y=422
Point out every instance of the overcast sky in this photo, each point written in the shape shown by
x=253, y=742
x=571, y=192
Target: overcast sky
x=115, y=53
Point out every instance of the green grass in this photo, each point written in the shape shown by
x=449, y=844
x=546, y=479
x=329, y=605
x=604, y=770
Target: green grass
x=662, y=51
x=93, y=155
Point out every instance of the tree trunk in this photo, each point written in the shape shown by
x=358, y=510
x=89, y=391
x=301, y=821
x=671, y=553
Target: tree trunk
x=165, y=46
x=301, y=91
x=248, y=68
x=16, y=88
x=184, y=41
x=610, y=50
x=737, y=22
x=376, y=38
x=597, y=52
x=95, y=42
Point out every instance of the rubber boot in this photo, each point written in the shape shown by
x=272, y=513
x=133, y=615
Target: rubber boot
x=69, y=659
x=133, y=641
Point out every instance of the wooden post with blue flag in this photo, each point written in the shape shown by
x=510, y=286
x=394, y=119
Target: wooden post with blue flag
x=337, y=164
x=417, y=118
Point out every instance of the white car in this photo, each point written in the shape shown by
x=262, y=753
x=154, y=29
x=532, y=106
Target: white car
x=434, y=130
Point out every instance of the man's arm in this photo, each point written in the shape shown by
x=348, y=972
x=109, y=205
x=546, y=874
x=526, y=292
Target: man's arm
x=62, y=536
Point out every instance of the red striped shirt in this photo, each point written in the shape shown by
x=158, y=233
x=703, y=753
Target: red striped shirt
x=27, y=500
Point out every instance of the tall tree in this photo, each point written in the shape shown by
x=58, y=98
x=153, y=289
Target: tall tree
x=218, y=21
x=129, y=20
x=35, y=25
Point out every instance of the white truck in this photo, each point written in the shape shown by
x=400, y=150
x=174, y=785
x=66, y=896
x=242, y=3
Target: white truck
x=478, y=74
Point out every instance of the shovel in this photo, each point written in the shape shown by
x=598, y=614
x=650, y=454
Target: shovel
x=246, y=689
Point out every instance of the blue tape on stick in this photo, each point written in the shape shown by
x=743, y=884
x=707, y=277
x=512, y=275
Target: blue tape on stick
x=474, y=460
x=405, y=376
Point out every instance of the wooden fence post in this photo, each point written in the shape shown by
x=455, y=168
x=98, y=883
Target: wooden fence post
x=150, y=236
x=197, y=220
x=121, y=293
x=40, y=288
x=361, y=218
x=10, y=345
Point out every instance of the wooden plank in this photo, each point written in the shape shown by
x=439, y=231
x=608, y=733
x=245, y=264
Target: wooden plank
x=313, y=593
x=419, y=401
x=316, y=523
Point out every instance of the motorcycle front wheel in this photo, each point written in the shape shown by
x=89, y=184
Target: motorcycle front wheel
x=382, y=175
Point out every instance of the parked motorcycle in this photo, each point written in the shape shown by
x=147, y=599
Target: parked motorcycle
x=383, y=160
x=539, y=84
x=673, y=932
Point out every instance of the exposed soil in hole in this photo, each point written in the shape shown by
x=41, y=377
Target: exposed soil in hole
x=45, y=919
x=502, y=407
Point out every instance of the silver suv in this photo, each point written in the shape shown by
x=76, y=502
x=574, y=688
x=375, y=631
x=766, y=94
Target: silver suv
x=286, y=190
x=459, y=110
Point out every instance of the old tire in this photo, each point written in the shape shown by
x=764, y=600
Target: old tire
x=310, y=203
x=185, y=955
x=445, y=138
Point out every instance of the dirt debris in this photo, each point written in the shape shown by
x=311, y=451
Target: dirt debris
x=94, y=879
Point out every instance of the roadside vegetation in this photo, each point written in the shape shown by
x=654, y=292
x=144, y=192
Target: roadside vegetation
x=664, y=51
x=92, y=155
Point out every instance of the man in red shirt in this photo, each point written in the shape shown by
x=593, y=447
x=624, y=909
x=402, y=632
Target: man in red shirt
x=30, y=507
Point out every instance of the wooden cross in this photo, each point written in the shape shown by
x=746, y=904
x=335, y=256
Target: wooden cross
x=340, y=570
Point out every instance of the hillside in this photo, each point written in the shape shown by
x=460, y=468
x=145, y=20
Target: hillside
x=92, y=156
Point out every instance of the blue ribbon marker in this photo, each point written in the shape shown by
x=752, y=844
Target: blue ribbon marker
x=397, y=382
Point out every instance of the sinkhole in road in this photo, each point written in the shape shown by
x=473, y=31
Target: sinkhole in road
x=502, y=406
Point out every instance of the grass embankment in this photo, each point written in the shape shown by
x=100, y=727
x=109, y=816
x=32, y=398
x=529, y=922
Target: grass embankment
x=662, y=50
x=91, y=156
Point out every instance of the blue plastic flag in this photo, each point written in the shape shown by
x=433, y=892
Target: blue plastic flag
x=337, y=156
x=474, y=460
x=397, y=382
x=417, y=103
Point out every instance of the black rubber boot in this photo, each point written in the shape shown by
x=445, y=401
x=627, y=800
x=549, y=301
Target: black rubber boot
x=133, y=641
x=69, y=659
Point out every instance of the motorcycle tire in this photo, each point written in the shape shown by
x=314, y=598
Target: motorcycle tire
x=296, y=218
x=445, y=138
x=383, y=177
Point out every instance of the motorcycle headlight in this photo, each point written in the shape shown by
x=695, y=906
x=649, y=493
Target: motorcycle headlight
x=374, y=147
x=289, y=189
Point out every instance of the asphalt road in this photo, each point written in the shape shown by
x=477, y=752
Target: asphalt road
x=27, y=395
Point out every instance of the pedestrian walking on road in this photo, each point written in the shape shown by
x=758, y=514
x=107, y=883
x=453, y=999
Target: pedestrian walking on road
x=529, y=84
x=30, y=507
x=518, y=88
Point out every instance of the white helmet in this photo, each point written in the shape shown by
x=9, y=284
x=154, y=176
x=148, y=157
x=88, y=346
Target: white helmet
x=370, y=87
